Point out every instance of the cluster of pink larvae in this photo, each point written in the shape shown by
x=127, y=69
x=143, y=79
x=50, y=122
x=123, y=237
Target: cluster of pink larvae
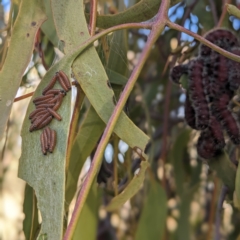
x=46, y=109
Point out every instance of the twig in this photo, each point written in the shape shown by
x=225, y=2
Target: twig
x=115, y=164
x=157, y=28
x=214, y=11
x=204, y=41
x=93, y=17
x=223, y=12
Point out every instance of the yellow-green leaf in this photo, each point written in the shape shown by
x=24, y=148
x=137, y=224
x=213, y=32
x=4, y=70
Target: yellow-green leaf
x=131, y=189
x=233, y=10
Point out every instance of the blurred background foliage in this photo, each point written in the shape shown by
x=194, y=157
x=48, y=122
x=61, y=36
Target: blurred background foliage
x=181, y=198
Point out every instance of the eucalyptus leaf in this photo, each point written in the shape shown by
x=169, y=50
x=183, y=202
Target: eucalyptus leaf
x=233, y=10
x=153, y=217
x=177, y=154
x=140, y=12
x=31, y=225
x=90, y=73
x=184, y=228
x=116, y=78
x=30, y=17
x=131, y=189
x=84, y=143
x=48, y=27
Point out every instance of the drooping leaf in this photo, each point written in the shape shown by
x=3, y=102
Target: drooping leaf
x=177, y=155
x=183, y=229
x=153, y=217
x=46, y=174
x=118, y=61
x=142, y=11
x=116, y=78
x=30, y=224
x=30, y=17
x=90, y=73
x=48, y=27
x=85, y=141
x=131, y=189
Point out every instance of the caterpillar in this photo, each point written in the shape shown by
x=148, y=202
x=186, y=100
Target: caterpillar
x=65, y=79
x=42, y=141
x=45, y=105
x=54, y=91
x=226, y=118
x=54, y=114
x=221, y=37
x=59, y=102
x=53, y=141
x=48, y=140
x=206, y=146
x=189, y=113
x=215, y=131
x=35, y=112
x=177, y=72
x=234, y=71
x=50, y=85
x=43, y=98
x=197, y=95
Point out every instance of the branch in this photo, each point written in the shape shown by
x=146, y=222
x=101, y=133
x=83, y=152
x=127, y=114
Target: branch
x=157, y=28
x=204, y=41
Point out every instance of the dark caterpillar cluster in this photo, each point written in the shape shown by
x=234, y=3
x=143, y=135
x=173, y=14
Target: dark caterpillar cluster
x=212, y=81
x=46, y=109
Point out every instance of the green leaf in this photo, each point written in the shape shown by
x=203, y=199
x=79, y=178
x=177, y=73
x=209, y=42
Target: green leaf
x=30, y=222
x=118, y=61
x=140, y=12
x=183, y=230
x=116, y=78
x=46, y=174
x=131, y=189
x=85, y=141
x=30, y=18
x=90, y=73
x=153, y=217
x=177, y=154
x=48, y=27
x=86, y=228
x=225, y=169
x=233, y=10
x=49, y=182
x=237, y=189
